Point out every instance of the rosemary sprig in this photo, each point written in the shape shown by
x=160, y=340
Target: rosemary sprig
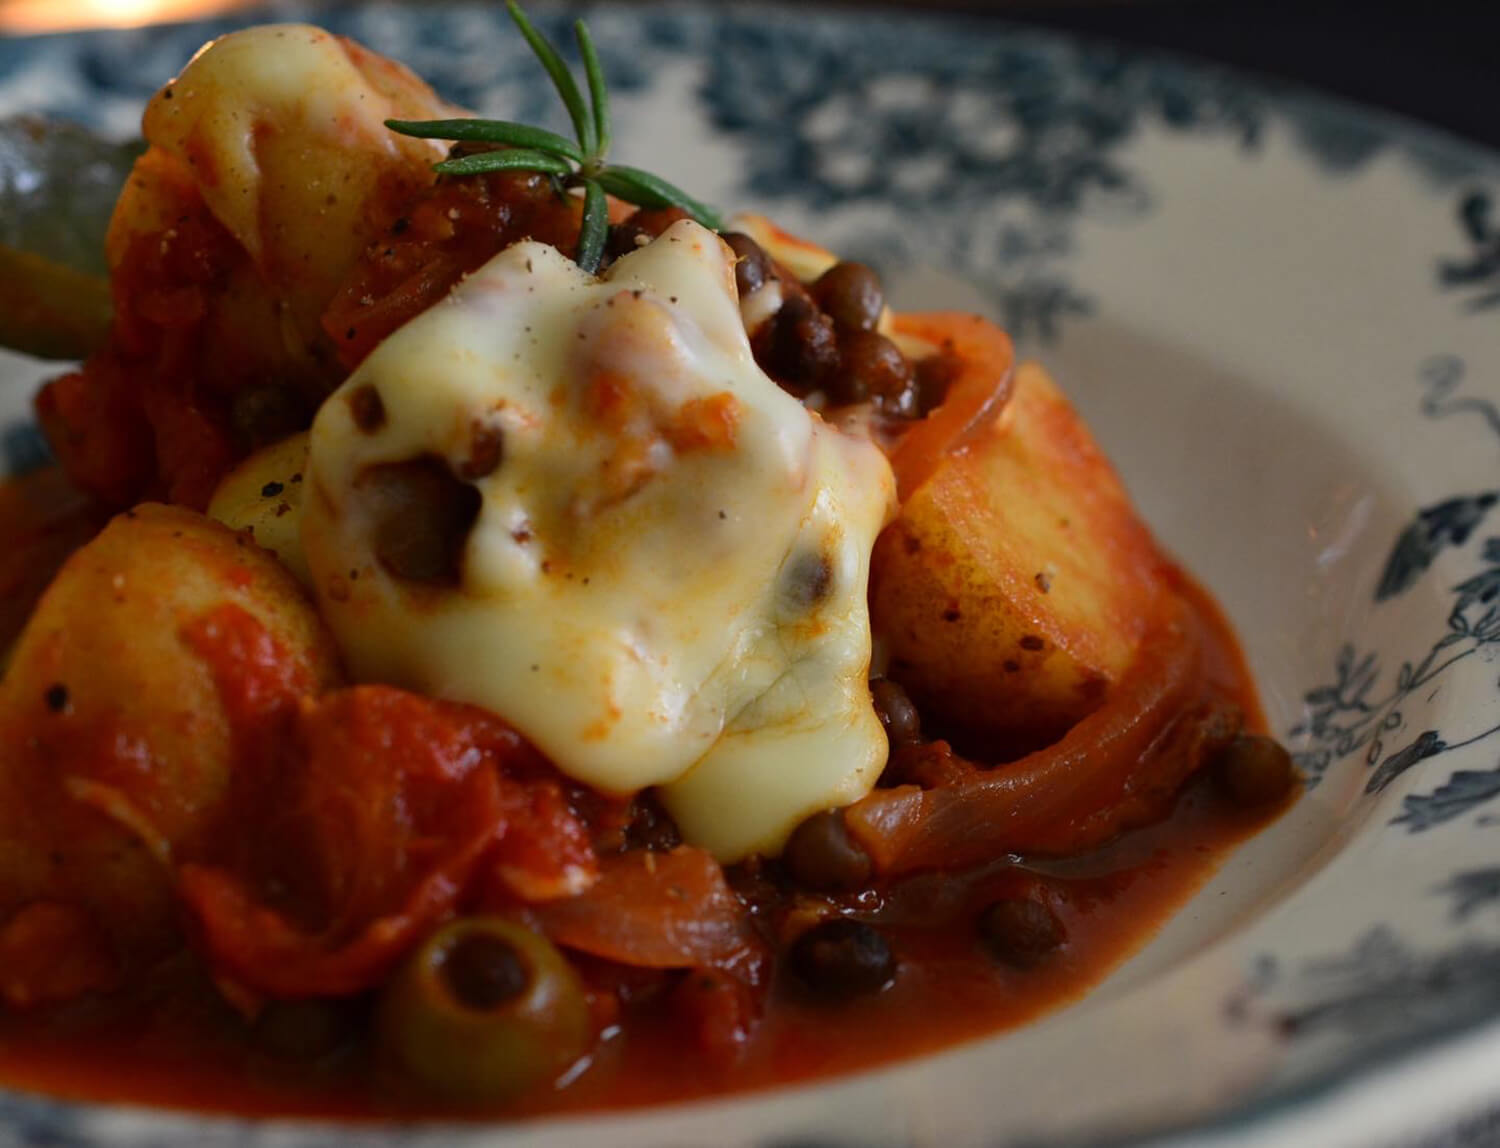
x=581, y=165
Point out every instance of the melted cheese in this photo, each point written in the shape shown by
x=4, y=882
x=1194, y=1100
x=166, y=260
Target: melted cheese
x=283, y=128
x=666, y=580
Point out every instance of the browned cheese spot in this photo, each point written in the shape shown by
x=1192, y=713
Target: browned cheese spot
x=422, y=516
x=486, y=449
x=367, y=408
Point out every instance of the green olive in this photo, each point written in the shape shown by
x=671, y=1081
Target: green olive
x=483, y=1011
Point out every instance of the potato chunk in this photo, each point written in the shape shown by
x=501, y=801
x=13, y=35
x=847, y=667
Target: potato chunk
x=1015, y=584
x=119, y=729
x=281, y=130
x=263, y=497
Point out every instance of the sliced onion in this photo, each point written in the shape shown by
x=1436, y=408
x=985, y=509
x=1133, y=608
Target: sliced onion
x=974, y=399
x=1118, y=767
x=654, y=910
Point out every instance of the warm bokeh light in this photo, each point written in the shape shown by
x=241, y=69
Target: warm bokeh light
x=58, y=15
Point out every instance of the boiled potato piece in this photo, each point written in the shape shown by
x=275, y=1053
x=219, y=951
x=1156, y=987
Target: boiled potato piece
x=279, y=130
x=1016, y=582
x=263, y=497
x=119, y=743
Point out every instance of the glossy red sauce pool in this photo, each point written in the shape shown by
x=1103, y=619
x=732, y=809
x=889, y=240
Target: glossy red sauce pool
x=169, y=1040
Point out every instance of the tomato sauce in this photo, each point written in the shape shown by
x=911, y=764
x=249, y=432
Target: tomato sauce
x=171, y=1040
x=357, y=822
x=43, y=519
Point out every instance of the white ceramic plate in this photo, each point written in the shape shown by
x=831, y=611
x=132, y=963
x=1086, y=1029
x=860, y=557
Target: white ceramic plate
x=1282, y=317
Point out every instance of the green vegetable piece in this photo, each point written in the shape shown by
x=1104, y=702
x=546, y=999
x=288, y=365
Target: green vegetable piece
x=49, y=310
x=562, y=79
x=598, y=93
x=641, y=187
x=511, y=159
x=483, y=1011
x=58, y=186
x=594, y=228
x=490, y=131
x=538, y=150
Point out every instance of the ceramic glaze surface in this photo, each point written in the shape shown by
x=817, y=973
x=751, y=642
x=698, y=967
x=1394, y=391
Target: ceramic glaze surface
x=1281, y=316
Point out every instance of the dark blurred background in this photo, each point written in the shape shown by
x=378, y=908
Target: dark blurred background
x=1437, y=61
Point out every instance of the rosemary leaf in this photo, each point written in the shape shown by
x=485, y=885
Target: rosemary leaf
x=562, y=79
x=598, y=93
x=646, y=190
x=527, y=148
x=512, y=159
x=490, y=131
x=595, y=226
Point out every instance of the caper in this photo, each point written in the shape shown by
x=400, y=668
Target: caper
x=873, y=367
x=903, y=725
x=1254, y=771
x=483, y=1011
x=821, y=854
x=849, y=293
x=843, y=958
x=752, y=265
x=1021, y=931
x=798, y=347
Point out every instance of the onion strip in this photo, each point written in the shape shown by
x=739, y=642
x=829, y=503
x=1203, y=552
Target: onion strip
x=1116, y=768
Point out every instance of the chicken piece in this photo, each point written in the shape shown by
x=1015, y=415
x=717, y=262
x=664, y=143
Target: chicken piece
x=1015, y=584
x=160, y=650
